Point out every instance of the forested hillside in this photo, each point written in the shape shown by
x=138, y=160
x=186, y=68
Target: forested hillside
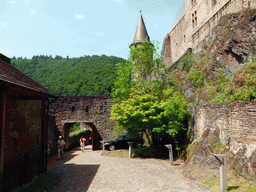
x=86, y=75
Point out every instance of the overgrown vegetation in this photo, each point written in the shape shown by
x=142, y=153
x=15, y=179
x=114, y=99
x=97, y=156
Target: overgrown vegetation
x=148, y=105
x=201, y=86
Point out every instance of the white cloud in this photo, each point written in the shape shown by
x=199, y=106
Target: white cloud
x=79, y=16
x=99, y=33
x=33, y=11
x=118, y=1
x=26, y=2
x=5, y=23
x=4, y=51
x=13, y=2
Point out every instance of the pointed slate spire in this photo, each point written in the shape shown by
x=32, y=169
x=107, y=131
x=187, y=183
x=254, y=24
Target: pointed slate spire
x=141, y=32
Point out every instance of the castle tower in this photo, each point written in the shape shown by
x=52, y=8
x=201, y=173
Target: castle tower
x=141, y=33
x=141, y=36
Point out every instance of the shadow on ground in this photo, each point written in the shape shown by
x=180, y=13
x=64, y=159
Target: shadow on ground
x=63, y=176
x=232, y=188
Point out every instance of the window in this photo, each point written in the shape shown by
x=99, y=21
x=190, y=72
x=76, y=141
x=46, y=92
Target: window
x=194, y=19
x=87, y=108
x=214, y=2
x=193, y=2
x=184, y=38
x=73, y=108
x=101, y=108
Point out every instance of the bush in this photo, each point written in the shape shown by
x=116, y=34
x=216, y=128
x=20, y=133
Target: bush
x=154, y=151
x=198, y=79
x=186, y=62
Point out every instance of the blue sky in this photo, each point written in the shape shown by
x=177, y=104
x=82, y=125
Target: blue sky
x=81, y=27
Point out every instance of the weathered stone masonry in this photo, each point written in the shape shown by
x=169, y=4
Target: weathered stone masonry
x=236, y=122
x=93, y=110
x=197, y=25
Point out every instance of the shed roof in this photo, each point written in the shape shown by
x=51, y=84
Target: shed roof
x=10, y=74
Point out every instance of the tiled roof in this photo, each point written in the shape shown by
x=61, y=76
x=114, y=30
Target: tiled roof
x=10, y=74
x=141, y=32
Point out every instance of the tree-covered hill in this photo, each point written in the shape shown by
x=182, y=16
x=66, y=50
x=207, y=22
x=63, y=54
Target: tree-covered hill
x=86, y=75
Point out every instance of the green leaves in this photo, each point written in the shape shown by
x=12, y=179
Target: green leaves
x=75, y=76
x=143, y=101
x=146, y=112
x=123, y=82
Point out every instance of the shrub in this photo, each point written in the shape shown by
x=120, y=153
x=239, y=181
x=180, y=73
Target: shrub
x=186, y=62
x=153, y=151
x=198, y=78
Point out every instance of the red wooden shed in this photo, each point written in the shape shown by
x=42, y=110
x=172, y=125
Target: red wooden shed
x=23, y=127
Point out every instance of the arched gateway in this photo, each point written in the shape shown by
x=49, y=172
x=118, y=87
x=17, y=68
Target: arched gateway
x=91, y=111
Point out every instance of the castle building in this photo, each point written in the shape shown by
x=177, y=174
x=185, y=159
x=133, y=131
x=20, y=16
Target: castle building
x=200, y=18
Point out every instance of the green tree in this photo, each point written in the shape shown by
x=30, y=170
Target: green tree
x=123, y=82
x=144, y=102
x=146, y=114
x=75, y=76
x=149, y=71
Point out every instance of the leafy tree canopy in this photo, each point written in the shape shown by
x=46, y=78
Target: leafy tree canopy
x=86, y=75
x=143, y=98
x=145, y=113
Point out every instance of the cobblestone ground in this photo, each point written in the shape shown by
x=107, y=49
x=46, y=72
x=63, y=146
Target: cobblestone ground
x=89, y=171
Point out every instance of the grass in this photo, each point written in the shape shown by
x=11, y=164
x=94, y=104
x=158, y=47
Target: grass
x=192, y=148
x=118, y=153
x=143, y=152
x=235, y=183
x=76, y=132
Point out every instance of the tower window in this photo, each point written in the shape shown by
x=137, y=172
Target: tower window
x=193, y=2
x=73, y=108
x=194, y=19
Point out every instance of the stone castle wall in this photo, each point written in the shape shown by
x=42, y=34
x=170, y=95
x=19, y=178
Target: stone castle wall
x=84, y=109
x=206, y=17
x=236, y=122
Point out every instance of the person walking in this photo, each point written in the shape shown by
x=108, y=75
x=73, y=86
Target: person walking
x=60, y=146
x=82, y=143
x=49, y=143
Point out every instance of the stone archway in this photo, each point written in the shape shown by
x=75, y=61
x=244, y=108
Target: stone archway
x=95, y=136
x=92, y=110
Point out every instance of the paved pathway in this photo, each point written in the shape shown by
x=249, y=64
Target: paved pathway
x=89, y=171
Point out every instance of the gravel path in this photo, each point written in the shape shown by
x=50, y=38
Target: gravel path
x=89, y=171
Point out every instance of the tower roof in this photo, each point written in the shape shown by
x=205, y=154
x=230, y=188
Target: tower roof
x=141, y=32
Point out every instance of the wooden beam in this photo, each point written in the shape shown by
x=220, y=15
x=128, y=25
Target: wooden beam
x=28, y=98
x=3, y=99
x=43, y=138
